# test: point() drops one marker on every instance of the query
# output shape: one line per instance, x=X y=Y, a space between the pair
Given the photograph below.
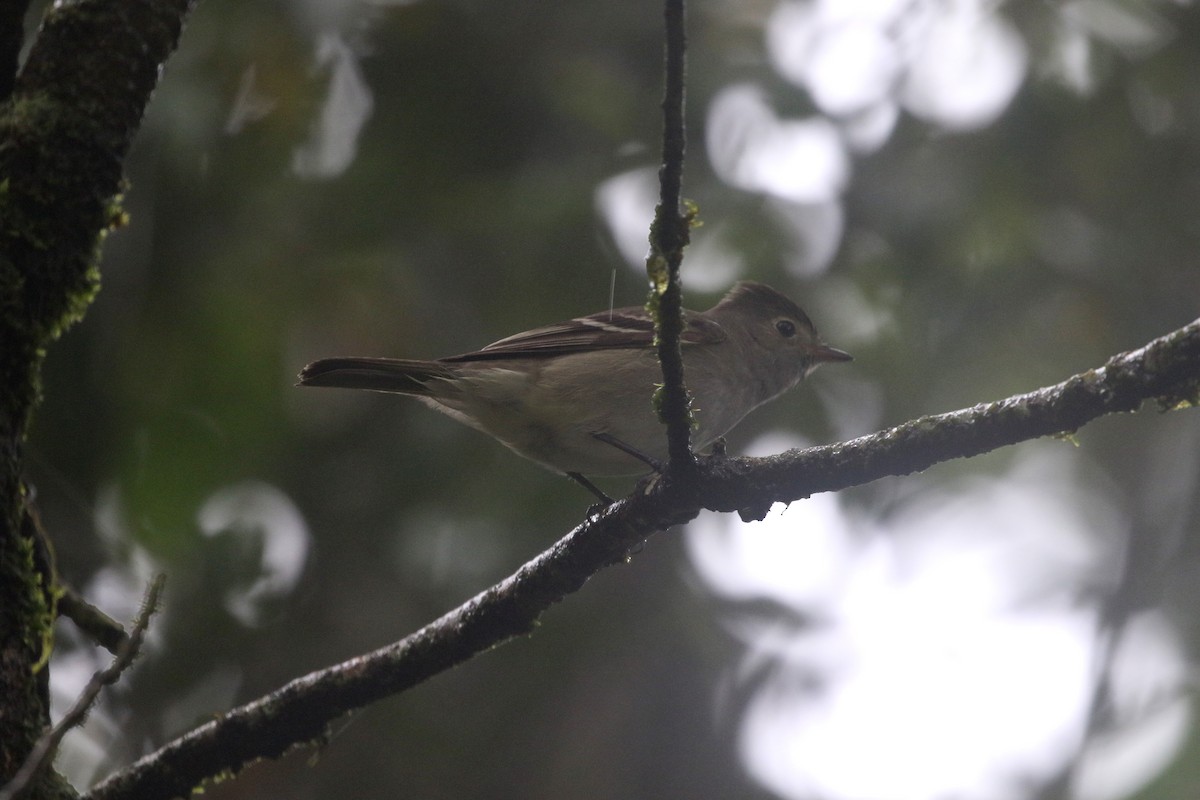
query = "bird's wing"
x=629 y=328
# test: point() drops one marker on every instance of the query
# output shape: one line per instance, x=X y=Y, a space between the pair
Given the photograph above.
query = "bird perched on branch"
x=576 y=396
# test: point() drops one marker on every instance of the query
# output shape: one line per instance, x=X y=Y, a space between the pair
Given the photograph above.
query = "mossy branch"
x=46 y=747
x=66 y=122
x=668 y=238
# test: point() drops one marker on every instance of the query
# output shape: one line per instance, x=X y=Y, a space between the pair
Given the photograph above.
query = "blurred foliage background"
x=975 y=198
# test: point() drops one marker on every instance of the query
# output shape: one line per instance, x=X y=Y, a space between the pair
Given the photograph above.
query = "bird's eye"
x=786 y=328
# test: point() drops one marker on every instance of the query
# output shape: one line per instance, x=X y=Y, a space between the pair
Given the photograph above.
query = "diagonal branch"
x=1166 y=370
x=94 y=623
x=46 y=747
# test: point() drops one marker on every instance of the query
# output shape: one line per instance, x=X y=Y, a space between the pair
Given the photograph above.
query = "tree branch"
x=43 y=752
x=1166 y=370
x=64 y=131
x=668 y=238
x=94 y=623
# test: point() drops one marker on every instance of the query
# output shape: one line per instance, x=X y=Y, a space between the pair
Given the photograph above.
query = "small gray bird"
x=576 y=397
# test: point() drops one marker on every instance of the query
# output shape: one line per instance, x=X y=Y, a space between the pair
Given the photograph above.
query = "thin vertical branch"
x=668 y=238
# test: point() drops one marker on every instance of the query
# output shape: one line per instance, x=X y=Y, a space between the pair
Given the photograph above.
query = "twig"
x=45 y=748
x=668 y=238
x=103 y=629
x=1167 y=369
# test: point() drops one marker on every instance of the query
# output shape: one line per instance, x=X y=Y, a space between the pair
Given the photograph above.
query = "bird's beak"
x=823 y=352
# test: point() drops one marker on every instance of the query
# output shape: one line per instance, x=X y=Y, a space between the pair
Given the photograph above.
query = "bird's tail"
x=376 y=374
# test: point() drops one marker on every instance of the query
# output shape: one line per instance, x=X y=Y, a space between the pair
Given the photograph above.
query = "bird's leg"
x=593 y=488
x=629 y=449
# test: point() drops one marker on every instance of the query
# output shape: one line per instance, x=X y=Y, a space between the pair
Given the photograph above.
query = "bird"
x=575 y=396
